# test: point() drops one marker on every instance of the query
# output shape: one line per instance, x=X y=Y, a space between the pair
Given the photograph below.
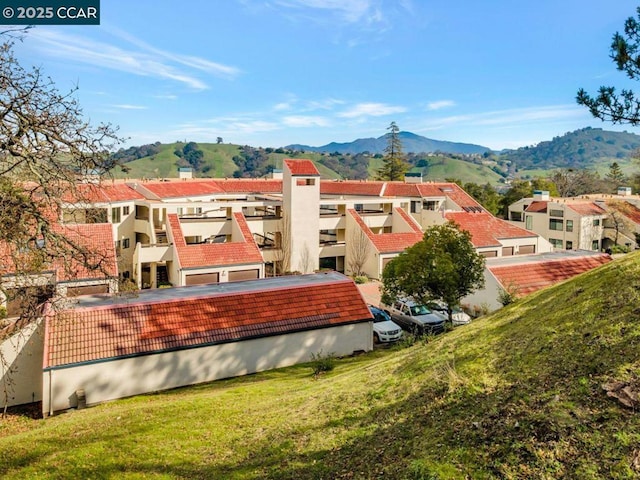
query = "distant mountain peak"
x=411 y=143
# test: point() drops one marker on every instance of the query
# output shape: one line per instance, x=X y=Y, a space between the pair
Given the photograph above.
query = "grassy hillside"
x=585 y=148
x=517 y=394
x=441 y=168
x=218 y=162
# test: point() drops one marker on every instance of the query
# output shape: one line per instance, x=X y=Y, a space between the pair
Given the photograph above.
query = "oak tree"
x=444 y=265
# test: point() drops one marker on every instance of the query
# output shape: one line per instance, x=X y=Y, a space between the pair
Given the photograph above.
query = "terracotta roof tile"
x=257 y=185
x=532 y=276
x=351 y=187
x=388 y=242
x=94 y=257
x=537 y=206
x=138 y=327
x=215 y=254
x=301 y=167
x=587 y=208
x=627 y=209
x=487 y=230
x=183 y=188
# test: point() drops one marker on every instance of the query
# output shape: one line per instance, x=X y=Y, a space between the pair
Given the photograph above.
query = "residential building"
x=589 y=222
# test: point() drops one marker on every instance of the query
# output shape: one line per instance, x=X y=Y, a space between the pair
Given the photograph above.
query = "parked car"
x=414 y=317
x=459 y=317
x=384 y=329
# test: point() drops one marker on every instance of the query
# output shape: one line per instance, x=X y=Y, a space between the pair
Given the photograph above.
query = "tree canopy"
x=444 y=265
x=46 y=147
x=394 y=165
x=607 y=104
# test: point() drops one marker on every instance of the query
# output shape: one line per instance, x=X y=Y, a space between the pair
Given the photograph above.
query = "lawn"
x=517 y=394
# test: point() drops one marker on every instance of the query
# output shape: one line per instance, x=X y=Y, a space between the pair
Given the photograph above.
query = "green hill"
x=591 y=148
x=517 y=394
x=227 y=160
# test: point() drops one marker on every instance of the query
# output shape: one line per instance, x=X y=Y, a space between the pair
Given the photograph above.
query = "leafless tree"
x=617 y=221
x=306 y=262
x=45 y=148
x=359 y=247
x=283 y=245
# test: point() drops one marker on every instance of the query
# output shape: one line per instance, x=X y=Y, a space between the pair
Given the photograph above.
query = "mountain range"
x=410 y=143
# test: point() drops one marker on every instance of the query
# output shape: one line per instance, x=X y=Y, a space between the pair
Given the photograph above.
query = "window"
x=555 y=224
x=310 y=181
x=415 y=207
x=125 y=243
x=595 y=245
x=430 y=205
x=556 y=213
x=555 y=242
x=115 y=215
x=125 y=210
x=596 y=222
x=569 y=245
x=569 y=226
x=528 y=222
x=516 y=216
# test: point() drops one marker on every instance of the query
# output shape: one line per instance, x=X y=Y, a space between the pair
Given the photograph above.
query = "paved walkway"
x=371 y=292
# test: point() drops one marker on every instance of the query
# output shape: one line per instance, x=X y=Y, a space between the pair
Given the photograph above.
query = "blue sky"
x=498 y=73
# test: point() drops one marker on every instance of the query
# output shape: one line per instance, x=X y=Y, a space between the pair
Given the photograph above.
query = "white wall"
x=21 y=366
x=126 y=377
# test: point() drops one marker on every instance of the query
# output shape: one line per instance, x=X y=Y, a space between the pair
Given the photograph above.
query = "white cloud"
x=279 y=107
x=305 y=121
x=143 y=61
x=371 y=110
x=166 y=97
x=351 y=11
x=440 y=104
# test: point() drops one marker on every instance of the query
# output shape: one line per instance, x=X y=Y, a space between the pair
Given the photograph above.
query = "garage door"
x=507 y=251
x=244 y=275
x=525 y=249
x=491 y=253
x=87 y=290
x=202 y=278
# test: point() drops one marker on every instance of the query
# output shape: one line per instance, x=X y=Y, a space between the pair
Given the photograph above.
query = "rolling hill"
x=530 y=392
x=585 y=148
x=410 y=143
x=160 y=161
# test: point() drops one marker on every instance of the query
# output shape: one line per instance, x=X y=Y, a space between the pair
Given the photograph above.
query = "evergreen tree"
x=394 y=166
x=625 y=106
x=615 y=175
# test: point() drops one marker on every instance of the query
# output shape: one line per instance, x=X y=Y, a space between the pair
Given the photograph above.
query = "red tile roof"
x=102 y=193
x=627 y=209
x=587 y=208
x=352 y=187
x=453 y=191
x=532 y=276
x=212 y=314
x=301 y=167
x=248 y=185
x=215 y=254
x=537 y=206
x=401 y=189
x=183 y=188
x=487 y=230
x=388 y=242
x=89 y=255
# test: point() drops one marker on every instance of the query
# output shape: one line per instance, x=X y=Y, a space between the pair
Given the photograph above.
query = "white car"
x=459 y=317
x=384 y=329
